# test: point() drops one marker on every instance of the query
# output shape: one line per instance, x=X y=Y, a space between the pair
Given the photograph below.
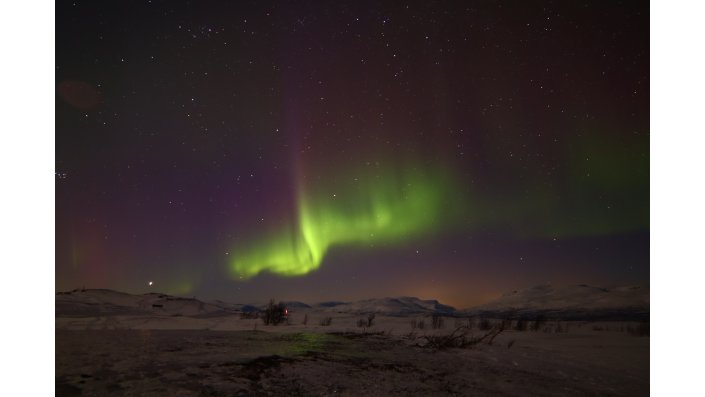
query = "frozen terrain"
x=580 y=296
x=576 y=301
x=115 y=344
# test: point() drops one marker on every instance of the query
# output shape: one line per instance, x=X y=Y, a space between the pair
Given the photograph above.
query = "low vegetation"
x=368 y=322
x=461 y=337
x=274 y=314
x=436 y=321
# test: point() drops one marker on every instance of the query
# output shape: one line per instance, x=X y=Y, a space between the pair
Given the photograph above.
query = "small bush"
x=640 y=330
x=421 y=325
x=459 y=338
x=520 y=325
x=413 y=324
x=361 y=323
x=507 y=323
x=555 y=327
x=436 y=321
x=274 y=313
x=370 y=319
x=539 y=322
x=326 y=321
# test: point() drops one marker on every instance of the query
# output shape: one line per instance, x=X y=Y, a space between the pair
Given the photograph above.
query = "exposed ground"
x=94 y=357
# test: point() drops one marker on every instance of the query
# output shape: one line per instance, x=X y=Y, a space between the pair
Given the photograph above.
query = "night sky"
x=348 y=150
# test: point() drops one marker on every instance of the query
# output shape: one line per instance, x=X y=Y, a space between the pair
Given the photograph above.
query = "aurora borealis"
x=388 y=205
x=346 y=150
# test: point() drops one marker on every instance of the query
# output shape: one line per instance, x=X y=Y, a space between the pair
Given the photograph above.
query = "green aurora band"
x=603 y=189
x=376 y=206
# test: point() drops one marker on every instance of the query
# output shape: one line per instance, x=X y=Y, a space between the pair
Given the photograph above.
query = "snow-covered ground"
x=109 y=343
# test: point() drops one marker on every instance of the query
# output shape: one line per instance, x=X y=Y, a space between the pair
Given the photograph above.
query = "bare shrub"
x=413 y=323
x=459 y=338
x=640 y=330
x=361 y=323
x=520 y=325
x=494 y=332
x=507 y=323
x=539 y=322
x=274 y=314
x=370 y=319
x=554 y=327
x=326 y=321
x=436 y=321
x=421 y=324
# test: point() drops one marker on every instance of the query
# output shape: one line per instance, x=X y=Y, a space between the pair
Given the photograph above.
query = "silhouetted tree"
x=274 y=314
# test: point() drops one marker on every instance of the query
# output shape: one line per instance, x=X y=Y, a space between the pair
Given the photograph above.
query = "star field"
x=317 y=151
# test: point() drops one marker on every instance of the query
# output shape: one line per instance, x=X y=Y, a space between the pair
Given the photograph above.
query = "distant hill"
x=400 y=306
x=104 y=302
x=572 y=302
x=296 y=305
x=330 y=304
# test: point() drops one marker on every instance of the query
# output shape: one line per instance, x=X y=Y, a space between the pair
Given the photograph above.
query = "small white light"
x=150 y=283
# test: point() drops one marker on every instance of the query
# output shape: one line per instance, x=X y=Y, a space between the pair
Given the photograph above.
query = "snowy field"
x=315 y=363
x=114 y=344
x=250 y=359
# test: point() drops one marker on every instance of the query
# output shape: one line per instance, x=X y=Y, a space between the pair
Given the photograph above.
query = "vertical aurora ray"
x=373 y=205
